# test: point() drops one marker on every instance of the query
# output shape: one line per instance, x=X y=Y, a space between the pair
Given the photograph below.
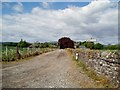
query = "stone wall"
x=102 y=62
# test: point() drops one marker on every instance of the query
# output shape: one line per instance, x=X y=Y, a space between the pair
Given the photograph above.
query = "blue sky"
x=7 y=7
x=43 y=21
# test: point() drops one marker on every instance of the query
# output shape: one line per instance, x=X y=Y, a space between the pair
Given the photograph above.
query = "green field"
x=9 y=53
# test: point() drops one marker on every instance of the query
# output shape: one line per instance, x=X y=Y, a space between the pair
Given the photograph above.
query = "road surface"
x=50 y=70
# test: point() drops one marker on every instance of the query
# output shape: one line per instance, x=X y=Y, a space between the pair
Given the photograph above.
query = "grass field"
x=10 y=53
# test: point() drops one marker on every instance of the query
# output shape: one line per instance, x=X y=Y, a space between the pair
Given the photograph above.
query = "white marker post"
x=77 y=55
x=6 y=51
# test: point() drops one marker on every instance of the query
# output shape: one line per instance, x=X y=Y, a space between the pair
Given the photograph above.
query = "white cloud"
x=45 y=5
x=97 y=20
x=18 y=7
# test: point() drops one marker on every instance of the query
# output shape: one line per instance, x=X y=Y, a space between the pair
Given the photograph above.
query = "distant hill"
x=9 y=43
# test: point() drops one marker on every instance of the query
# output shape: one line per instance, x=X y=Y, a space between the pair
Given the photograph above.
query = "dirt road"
x=50 y=70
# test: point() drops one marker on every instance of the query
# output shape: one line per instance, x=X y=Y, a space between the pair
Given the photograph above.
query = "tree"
x=90 y=45
x=65 y=42
x=44 y=45
x=112 y=47
x=23 y=43
x=98 y=46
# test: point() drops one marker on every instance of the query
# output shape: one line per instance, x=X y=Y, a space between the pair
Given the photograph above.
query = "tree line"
x=23 y=44
x=98 y=46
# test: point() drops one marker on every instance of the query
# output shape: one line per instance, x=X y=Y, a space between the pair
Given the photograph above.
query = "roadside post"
x=6 y=51
x=77 y=55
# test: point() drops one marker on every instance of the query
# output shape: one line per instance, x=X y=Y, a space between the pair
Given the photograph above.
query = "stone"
x=102 y=62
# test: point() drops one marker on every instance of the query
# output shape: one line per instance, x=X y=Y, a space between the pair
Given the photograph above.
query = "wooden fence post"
x=17 y=53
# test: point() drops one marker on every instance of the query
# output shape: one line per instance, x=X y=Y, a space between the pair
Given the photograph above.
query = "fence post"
x=17 y=53
x=6 y=51
x=28 y=50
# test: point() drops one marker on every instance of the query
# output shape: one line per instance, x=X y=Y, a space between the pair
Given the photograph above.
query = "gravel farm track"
x=54 y=69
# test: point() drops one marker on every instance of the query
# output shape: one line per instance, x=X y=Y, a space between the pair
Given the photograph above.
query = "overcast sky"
x=43 y=21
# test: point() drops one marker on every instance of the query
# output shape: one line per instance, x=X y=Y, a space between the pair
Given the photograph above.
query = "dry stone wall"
x=102 y=62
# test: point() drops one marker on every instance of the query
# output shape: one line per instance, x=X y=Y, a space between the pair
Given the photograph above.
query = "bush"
x=98 y=46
